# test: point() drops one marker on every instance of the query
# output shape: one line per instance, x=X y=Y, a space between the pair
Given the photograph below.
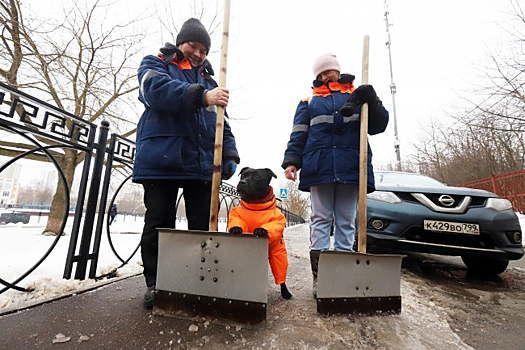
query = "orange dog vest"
x=250 y=216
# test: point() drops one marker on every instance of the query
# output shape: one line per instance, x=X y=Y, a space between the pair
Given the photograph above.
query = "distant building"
x=9 y=185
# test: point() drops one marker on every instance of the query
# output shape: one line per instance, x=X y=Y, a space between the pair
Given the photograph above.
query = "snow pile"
x=22 y=246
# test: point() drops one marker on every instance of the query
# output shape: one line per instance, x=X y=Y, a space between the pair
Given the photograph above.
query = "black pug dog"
x=258 y=214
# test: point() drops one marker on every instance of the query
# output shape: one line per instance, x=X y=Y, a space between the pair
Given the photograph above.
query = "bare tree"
x=208 y=12
x=85 y=67
x=297 y=202
x=11 y=53
x=488 y=137
x=502 y=97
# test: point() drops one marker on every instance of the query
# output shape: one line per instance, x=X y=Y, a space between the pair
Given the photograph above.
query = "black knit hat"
x=193 y=30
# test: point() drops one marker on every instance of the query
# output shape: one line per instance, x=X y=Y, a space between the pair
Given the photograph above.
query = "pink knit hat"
x=327 y=61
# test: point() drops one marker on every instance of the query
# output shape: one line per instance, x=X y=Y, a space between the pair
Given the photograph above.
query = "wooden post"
x=363 y=157
x=219 y=130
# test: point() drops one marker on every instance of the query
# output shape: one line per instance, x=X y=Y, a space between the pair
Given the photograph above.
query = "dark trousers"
x=160 y=198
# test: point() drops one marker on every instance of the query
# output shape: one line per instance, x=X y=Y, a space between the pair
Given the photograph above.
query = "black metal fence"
x=50 y=131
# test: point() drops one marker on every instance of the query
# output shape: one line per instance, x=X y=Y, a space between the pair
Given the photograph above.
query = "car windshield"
x=405 y=179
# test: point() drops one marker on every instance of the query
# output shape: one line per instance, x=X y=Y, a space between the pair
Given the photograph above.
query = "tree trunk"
x=58 y=205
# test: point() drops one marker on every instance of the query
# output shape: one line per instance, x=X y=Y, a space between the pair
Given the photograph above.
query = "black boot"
x=285 y=292
x=149 y=297
x=314 y=262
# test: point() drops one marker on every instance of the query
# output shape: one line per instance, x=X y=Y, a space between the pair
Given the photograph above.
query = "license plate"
x=447 y=226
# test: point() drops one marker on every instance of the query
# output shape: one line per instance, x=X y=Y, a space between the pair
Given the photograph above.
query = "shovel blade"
x=351 y=282
x=212 y=274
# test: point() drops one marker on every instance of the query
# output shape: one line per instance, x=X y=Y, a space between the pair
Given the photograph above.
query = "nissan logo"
x=446 y=200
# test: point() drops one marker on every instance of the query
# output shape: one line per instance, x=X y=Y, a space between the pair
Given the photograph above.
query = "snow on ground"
x=22 y=246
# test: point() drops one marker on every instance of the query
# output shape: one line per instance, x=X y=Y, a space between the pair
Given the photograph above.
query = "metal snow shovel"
x=218 y=276
x=349 y=282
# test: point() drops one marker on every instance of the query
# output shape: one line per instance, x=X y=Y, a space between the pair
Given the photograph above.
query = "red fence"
x=510 y=186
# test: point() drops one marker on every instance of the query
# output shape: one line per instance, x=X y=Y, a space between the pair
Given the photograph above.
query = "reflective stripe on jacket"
x=324 y=144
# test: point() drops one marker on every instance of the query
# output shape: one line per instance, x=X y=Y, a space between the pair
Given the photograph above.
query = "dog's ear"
x=243 y=170
x=270 y=172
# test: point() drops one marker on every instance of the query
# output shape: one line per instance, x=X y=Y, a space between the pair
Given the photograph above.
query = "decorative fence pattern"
x=510 y=186
x=52 y=130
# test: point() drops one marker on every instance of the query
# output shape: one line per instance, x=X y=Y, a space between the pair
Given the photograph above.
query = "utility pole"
x=393 y=91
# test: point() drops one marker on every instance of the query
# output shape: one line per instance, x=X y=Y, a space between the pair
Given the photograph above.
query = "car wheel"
x=487 y=267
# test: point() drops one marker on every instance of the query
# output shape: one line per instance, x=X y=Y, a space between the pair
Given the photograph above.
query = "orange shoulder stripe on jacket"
x=183 y=64
x=324 y=90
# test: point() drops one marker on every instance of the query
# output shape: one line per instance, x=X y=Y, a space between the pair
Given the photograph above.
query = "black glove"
x=363 y=94
x=260 y=232
x=236 y=230
x=168 y=49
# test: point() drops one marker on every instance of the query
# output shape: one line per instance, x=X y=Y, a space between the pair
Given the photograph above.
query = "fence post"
x=494 y=185
x=102 y=207
x=79 y=212
x=91 y=207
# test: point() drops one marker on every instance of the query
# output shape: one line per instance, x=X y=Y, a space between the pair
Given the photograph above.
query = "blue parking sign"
x=283 y=193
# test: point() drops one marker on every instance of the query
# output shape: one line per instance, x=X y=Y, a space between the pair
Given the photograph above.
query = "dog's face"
x=255 y=183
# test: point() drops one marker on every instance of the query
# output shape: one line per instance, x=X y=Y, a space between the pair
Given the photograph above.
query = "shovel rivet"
x=203 y=244
x=368 y=262
x=357 y=288
x=216 y=261
x=357 y=262
x=229 y=301
x=367 y=288
x=209 y=270
x=215 y=279
x=201 y=278
x=214 y=299
x=216 y=245
x=203 y=259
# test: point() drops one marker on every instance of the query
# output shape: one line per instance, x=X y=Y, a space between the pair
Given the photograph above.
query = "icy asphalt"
x=112 y=317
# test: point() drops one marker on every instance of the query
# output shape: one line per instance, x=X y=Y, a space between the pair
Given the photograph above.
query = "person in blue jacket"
x=324 y=145
x=176 y=139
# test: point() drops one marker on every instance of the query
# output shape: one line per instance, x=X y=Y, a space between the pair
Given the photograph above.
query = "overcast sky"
x=437 y=50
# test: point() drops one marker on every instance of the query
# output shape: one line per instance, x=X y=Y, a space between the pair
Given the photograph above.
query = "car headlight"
x=388 y=197
x=498 y=204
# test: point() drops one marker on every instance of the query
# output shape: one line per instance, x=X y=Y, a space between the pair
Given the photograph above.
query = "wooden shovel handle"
x=363 y=157
x=219 y=129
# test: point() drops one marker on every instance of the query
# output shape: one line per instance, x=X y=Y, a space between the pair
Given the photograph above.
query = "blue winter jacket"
x=176 y=132
x=324 y=144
